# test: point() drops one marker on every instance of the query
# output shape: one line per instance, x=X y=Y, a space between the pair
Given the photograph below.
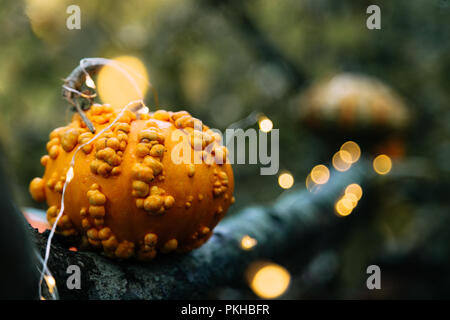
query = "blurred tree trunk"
x=19 y=276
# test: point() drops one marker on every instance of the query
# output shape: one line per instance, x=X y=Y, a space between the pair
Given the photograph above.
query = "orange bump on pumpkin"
x=127 y=197
x=37 y=189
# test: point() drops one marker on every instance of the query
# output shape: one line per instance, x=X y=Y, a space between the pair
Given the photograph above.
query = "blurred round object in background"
x=268 y=280
x=353 y=106
x=286 y=180
x=45 y=17
x=124 y=80
x=353 y=102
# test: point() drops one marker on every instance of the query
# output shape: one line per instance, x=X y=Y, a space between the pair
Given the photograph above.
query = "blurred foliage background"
x=221 y=61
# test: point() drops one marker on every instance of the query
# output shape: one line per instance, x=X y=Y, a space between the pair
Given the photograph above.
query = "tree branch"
x=297 y=217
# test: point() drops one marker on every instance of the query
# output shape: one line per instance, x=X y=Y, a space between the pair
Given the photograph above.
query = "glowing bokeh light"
x=353 y=149
x=347 y=203
x=342 y=160
x=382 y=164
x=123 y=81
x=270 y=281
x=352 y=198
x=265 y=124
x=286 y=180
x=248 y=242
x=45 y=18
x=320 y=174
x=354 y=189
x=342 y=208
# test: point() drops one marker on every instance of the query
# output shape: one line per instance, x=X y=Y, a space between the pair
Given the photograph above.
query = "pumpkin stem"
x=84 y=117
x=72 y=87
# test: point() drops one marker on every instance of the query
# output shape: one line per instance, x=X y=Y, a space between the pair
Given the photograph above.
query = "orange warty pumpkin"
x=128 y=197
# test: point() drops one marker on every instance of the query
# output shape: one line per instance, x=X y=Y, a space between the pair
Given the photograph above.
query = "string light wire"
x=69 y=177
x=70 y=172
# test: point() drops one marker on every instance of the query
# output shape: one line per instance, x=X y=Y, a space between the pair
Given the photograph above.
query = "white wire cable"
x=70 y=172
x=69 y=177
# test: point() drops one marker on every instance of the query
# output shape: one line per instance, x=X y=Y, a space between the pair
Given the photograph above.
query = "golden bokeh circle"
x=320 y=174
x=353 y=149
x=382 y=164
x=122 y=81
x=286 y=180
x=342 y=160
x=265 y=124
x=354 y=189
x=269 y=280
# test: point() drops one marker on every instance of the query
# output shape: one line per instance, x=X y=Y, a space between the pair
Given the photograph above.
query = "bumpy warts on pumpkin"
x=128 y=198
